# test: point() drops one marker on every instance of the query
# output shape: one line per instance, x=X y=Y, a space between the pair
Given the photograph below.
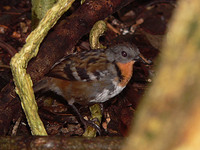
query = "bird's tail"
x=42 y=85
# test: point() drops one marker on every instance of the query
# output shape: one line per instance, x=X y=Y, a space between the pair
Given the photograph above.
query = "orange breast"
x=126 y=71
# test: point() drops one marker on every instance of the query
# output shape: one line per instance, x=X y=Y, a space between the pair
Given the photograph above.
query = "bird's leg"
x=86 y=123
x=102 y=108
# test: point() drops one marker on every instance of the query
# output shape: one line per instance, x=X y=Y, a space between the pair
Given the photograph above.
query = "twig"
x=11 y=50
x=113 y=28
x=14 y=130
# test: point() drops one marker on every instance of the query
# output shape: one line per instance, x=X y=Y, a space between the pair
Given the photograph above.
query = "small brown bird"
x=93 y=76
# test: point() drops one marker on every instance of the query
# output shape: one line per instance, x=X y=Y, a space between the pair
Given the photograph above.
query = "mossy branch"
x=19 y=63
x=97 y=30
x=39 y=9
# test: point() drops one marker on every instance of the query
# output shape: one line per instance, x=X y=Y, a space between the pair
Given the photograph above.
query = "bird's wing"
x=85 y=66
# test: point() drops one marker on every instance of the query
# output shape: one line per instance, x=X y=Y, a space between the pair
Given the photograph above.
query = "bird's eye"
x=124 y=54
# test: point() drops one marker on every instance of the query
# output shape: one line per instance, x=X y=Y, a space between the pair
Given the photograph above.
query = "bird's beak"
x=143 y=59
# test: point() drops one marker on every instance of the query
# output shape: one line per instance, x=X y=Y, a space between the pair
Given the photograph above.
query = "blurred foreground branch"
x=168 y=118
x=61 y=142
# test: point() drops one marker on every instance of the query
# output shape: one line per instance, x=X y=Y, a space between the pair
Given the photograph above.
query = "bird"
x=91 y=76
